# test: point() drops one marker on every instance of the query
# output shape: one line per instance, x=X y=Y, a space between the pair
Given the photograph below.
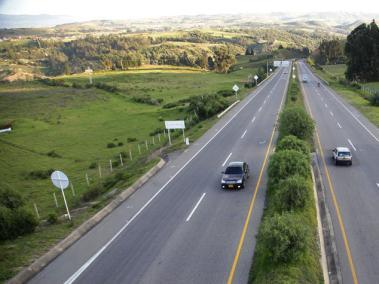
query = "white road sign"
x=255 y=77
x=175 y=124
x=235 y=88
x=59 y=179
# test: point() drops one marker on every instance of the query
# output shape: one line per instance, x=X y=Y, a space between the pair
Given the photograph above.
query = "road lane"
x=159 y=246
x=355 y=191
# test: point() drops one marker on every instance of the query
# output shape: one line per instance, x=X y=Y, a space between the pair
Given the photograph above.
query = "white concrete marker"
x=352 y=145
x=243 y=135
x=227 y=158
x=194 y=209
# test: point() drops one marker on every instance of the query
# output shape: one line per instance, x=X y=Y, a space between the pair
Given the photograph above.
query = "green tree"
x=291 y=142
x=295 y=121
x=284 y=237
x=287 y=163
x=292 y=193
x=223 y=59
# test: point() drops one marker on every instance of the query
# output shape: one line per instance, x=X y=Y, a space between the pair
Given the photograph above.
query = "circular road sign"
x=59 y=180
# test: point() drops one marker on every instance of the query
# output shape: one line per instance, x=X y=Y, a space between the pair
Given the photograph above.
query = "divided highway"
x=180 y=227
x=352 y=193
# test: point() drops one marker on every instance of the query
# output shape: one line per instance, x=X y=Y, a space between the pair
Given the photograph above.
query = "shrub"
x=16 y=222
x=111 y=145
x=284 y=237
x=105 y=87
x=226 y=93
x=374 y=99
x=53 y=154
x=93 y=165
x=52 y=218
x=119 y=144
x=147 y=100
x=93 y=192
x=287 y=163
x=156 y=131
x=171 y=105
x=40 y=174
x=131 y=139
x=291 y=142
x=206 y=106
x=10 y=198
x=77 y=85
x=292 y=193
x=295 y=121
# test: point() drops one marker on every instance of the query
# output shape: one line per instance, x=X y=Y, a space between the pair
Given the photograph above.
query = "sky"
x=131 y=9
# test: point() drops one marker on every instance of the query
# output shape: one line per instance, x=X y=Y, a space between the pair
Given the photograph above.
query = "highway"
x=180 y=227
x=352 y=193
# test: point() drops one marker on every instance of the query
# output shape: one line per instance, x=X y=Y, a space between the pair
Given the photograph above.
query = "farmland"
x=77 y=130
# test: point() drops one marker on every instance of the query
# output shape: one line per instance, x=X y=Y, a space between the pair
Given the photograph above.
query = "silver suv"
x=342 y=155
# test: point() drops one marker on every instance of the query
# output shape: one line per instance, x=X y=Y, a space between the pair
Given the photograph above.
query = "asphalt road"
x=180 y=227
x=356 y=188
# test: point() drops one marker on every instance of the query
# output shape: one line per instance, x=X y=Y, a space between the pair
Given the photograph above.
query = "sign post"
x=174 y=124
x=60 y=180
x=256 y=80
x=235 y=89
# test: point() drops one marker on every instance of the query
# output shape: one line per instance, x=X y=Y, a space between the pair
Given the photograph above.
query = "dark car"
x=235 y=175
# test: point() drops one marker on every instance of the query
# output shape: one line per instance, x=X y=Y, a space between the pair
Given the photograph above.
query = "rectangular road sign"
x=175 y=124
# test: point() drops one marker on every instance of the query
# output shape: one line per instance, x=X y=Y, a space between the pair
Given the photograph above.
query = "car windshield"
x=233 y=170
x=343 y=154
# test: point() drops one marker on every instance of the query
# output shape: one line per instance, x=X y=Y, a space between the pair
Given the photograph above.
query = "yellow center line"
x=248 y=217
x=335 y=202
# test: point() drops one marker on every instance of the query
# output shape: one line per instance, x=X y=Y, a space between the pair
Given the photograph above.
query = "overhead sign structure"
x=60 y=180
x=280 y=63
x=174 y=124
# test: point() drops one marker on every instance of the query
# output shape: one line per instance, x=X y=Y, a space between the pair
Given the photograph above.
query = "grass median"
x=287 y=249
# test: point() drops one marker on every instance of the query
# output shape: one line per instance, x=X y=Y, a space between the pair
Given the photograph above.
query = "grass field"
x=70 y=129
x=351 y=95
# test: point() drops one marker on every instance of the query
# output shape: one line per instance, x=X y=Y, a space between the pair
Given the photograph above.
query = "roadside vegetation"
x=351 y=67
x=287 y=249
x=103 y=135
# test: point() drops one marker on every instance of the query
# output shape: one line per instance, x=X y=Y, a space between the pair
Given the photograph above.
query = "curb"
x=332 y=260
x=27 y=273
x=227 y=109
x=323 y=261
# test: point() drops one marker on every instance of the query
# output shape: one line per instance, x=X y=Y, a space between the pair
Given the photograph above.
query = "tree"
x=292 y=193
x=287 y=163
x=223 y=59
x=291 y=142
x=362 y=51
x=284 y=237
x=295 y=121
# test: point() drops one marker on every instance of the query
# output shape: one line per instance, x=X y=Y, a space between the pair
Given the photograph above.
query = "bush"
x=16 y=222
x=53 y=154
x=111 y=145
x=171 y=105
x=291 y=142
x=206 y=106
x=284 y=237
x=93 y=192
x=287 y=163
x=374 y=99
x=93 y=165
x=40 y=174
x=156 y=131
x=147 y=100
x=226 y=93
x=10 y=198
x=52 y=218
x=295 y=121
x=106 y=87
x=119 y=144
x=292 y=193
x=131 y=139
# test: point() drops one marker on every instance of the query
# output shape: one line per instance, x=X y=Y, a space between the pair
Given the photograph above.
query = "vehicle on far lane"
x=342 y=155
x=304 y=79
x=235 y=175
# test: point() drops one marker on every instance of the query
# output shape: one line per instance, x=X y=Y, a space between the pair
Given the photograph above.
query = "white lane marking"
x=347 y=109
x=326 y=105
x=259 y=109
x=194 y=209
x=377 y=184
x=99 y=252
x=352 y=145
x=339 y=125
x=322 y=99
x=243 y=135
x=332 y=114
x=252 y=121
x=264 y=101
x=227 y=158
